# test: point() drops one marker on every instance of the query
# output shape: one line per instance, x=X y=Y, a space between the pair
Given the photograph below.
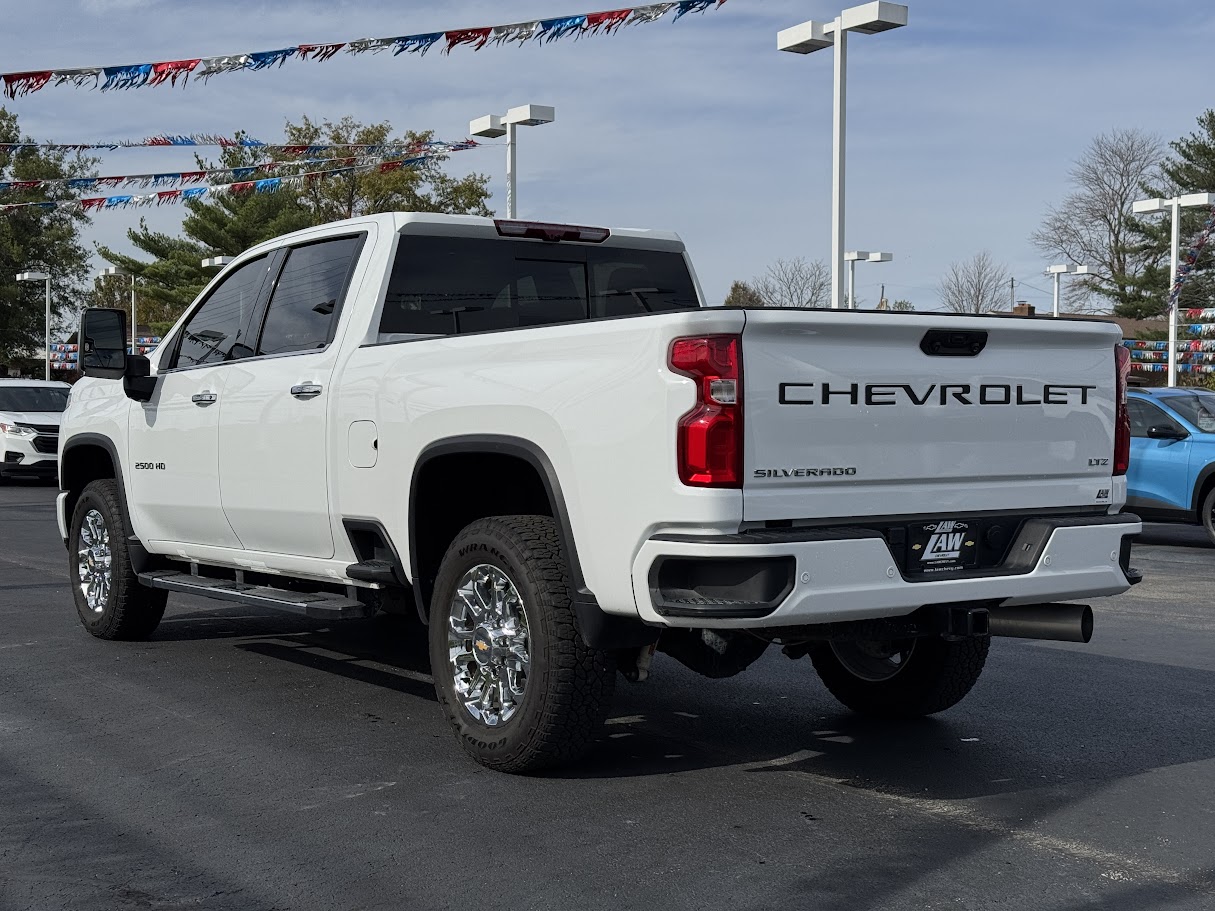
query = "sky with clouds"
x=961 y=127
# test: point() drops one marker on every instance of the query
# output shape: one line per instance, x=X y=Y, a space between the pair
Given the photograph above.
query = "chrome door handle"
x=306 y=391
x=203 y=399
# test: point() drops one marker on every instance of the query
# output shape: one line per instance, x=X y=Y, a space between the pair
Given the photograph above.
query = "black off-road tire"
x=1208 y=514
x=569 y=686
x=131 y=611
x=935 y=676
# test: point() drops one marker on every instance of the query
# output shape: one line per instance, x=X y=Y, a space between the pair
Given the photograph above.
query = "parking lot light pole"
x=493 y=126
x=1064 y=269
x=114 y=270
x=42 y=277
x=1173 y=207
x=852 y=257
x=867 y=19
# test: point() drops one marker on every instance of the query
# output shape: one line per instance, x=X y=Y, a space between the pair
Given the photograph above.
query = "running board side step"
x=317 y=605
x=379 y=571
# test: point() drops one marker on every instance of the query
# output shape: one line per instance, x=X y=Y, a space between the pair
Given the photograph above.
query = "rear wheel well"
x=79 y=467
x=453 y=490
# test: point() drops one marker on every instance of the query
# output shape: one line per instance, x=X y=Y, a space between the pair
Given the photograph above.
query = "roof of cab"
x=448 y=224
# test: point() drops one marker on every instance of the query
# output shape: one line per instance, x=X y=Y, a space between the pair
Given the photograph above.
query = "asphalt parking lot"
x=243 y=759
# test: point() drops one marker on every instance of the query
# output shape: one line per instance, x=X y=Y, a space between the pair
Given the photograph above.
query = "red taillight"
x=1122 y=416
x=709 y=437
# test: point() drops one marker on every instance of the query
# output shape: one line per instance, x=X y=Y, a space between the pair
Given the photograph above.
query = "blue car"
x=1172 y=472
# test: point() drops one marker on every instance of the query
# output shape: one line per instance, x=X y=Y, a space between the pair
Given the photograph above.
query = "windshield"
x=1198 y=408
x=33 y=398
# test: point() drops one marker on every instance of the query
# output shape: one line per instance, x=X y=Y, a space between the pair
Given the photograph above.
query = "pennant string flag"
x=546 y=31
x=1189 y=262
x=182 y=178
x=204 y=140
x=265 y=185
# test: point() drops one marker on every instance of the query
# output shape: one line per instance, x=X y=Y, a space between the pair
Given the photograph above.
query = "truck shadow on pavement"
x=1045 y=719
x=385 y=651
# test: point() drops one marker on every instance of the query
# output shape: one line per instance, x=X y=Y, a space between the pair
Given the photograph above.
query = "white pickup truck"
x=538 y=438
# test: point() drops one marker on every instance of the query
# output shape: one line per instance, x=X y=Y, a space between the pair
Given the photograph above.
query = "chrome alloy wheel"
x=94 y=561
x=487 y=644
x=874 y=660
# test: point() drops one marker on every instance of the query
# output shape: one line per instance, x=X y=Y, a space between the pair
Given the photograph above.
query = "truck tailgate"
x=851 y=414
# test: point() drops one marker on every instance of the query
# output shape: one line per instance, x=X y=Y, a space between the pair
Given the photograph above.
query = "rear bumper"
x=794 y=577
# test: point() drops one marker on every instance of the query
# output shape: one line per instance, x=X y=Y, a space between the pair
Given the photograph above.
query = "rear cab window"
x=455 y=285
x=307 y=298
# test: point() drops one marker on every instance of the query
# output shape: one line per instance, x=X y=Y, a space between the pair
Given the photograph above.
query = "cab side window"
x=220 y=329
x=303 y=309
x=1145 y=415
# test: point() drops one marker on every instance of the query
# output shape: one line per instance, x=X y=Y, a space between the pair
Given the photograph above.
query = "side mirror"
x=138 y=382
x=103 y=343
x=1166 y=433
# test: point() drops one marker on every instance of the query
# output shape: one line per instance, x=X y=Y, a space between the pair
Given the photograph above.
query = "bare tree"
x=794 y=283
x=974 y=286
x=1091 y=226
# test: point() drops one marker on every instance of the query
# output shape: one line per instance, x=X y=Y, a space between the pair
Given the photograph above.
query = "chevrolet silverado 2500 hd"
x=537 y=437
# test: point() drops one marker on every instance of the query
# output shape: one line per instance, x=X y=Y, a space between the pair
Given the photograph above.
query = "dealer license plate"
x=943 y=546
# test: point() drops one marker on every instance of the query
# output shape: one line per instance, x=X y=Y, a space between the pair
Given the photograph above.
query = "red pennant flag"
x=16 y=84
x=474 y=36
x=170 y=70
x=193 y=176
x=95 y=202
x=607 y=21
x=243 y=187
x=319 y=52
x=167 y=196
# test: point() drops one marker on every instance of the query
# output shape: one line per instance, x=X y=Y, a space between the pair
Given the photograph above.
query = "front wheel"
x=109 y=599
x=1208 y=514
x=519 y=687
x=901 y=678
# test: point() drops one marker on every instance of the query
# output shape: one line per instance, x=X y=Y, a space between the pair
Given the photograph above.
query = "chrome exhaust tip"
x=1058 y=622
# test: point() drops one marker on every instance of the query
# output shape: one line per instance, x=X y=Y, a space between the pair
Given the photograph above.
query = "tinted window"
x=1144 y=415
x=303 y=309
x=1198 y=408
x=219 y=330
x=445 y=285
x=32 y=398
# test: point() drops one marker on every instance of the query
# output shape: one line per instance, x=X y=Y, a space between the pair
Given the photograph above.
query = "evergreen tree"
x=1190 y=169
x=743 y=295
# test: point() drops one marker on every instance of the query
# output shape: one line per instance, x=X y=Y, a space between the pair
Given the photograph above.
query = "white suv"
x=29 y=427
